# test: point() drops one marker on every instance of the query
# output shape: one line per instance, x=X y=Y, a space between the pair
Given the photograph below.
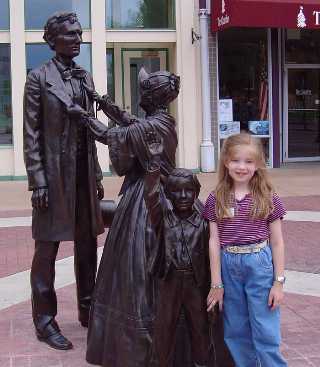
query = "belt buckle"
x=246 y=249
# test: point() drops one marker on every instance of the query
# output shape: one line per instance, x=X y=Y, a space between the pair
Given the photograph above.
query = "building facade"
x=256 y=67
x=265 y=75
x=118 y=37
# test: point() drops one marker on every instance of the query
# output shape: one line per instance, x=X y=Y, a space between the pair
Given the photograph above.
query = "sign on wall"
x=225 y=111
x=227 y=126
x=293 y=14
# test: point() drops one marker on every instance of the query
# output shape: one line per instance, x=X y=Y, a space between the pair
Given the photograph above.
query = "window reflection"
x=4 y=14
x=302 y=46
x=243 y=83
x=303 y=112
x=37 y=54
x=38 y=11
x=243 y=70
x=152 y=64
x=110 y=73
x=110 y=79
x=140 y=14
x=5 y=96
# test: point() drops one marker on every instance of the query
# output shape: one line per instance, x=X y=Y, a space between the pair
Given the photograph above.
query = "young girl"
x=247 y=254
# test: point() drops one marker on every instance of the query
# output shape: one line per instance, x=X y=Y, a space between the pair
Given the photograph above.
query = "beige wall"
x=184 y=59
x=187 y=56
x=18 y=75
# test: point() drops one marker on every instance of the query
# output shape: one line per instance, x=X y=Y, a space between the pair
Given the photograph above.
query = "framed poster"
x=225 y=111
x=227 y=129
x=259 y=127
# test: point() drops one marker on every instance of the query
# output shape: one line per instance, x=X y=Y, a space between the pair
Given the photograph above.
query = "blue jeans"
x=251 y=329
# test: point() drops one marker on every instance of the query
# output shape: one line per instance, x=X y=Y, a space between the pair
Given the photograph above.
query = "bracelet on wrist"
x=217 y=286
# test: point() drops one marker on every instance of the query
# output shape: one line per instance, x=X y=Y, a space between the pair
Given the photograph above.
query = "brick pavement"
x=302 y=246
x=16 y=249
x=20 y=348
x=299 y=188
x=16 y=244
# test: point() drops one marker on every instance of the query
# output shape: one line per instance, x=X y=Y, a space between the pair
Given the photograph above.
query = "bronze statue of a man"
x=63 y=174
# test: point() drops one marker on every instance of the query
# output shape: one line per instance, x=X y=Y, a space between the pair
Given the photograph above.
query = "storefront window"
x=38 y=11
x=152 y=14
x=4 y=14
x=243 y=83
x=37 y=54
x=303 y=113
x=302 y=46
x=5 y=96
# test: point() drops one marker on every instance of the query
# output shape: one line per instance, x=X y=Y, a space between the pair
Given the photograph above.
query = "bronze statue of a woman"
x=122 y=312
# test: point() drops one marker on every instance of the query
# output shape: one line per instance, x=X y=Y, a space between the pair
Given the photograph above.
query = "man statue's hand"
x=102 y=101
x=39 y=198
x=75 y=111
x=100 y=190
x=96 y=97
x=92 y=93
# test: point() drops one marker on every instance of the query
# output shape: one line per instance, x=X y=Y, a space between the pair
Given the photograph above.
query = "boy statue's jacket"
x=169 y=231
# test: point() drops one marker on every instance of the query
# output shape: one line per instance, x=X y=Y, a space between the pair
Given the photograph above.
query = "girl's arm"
x=277 y=245
x=216 y=291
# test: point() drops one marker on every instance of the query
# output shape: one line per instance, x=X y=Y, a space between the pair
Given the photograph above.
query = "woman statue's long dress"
x=122 y=313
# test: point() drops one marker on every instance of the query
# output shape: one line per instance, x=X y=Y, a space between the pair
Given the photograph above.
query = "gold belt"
x=246 y=249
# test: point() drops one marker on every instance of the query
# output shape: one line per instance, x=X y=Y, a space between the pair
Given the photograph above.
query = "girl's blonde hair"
x=260 y=187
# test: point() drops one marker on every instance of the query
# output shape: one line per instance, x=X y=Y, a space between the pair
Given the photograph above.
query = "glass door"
x=133 y=60
x=302 y=125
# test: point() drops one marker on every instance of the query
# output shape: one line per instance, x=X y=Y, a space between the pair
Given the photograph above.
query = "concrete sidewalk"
x=298 y=186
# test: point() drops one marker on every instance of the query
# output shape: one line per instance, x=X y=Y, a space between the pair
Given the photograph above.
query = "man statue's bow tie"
x=73 y=73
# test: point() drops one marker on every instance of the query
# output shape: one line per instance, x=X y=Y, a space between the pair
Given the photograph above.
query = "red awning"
x=265 y=13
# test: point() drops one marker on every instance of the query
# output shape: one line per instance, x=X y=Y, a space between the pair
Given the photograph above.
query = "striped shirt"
x=241 y=229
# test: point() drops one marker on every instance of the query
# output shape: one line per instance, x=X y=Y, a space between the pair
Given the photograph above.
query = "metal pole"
x=206 y=147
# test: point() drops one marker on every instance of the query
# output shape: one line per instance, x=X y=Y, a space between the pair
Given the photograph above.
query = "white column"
x=18 y=77
x=207 y=149
x=188 y=125
x=99 y=67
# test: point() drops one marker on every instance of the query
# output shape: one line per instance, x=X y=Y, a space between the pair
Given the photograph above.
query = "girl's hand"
x=215 y=296
x=275 y=296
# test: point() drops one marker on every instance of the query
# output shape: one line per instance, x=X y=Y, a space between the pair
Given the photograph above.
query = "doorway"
x=153 y=60
x=302 y=113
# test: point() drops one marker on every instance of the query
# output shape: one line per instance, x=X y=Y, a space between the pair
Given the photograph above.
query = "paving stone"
x=300 y=362
x=15 y=213
x=315 y=361
x=302 y=202
x=17 y=246
x=302 y=246
x=5 y=361
x=21 y=361
x=45 y=361
x=289 y=353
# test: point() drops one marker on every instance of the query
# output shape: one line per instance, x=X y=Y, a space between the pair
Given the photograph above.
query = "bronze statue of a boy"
x=63 y=174
x=180 y=260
